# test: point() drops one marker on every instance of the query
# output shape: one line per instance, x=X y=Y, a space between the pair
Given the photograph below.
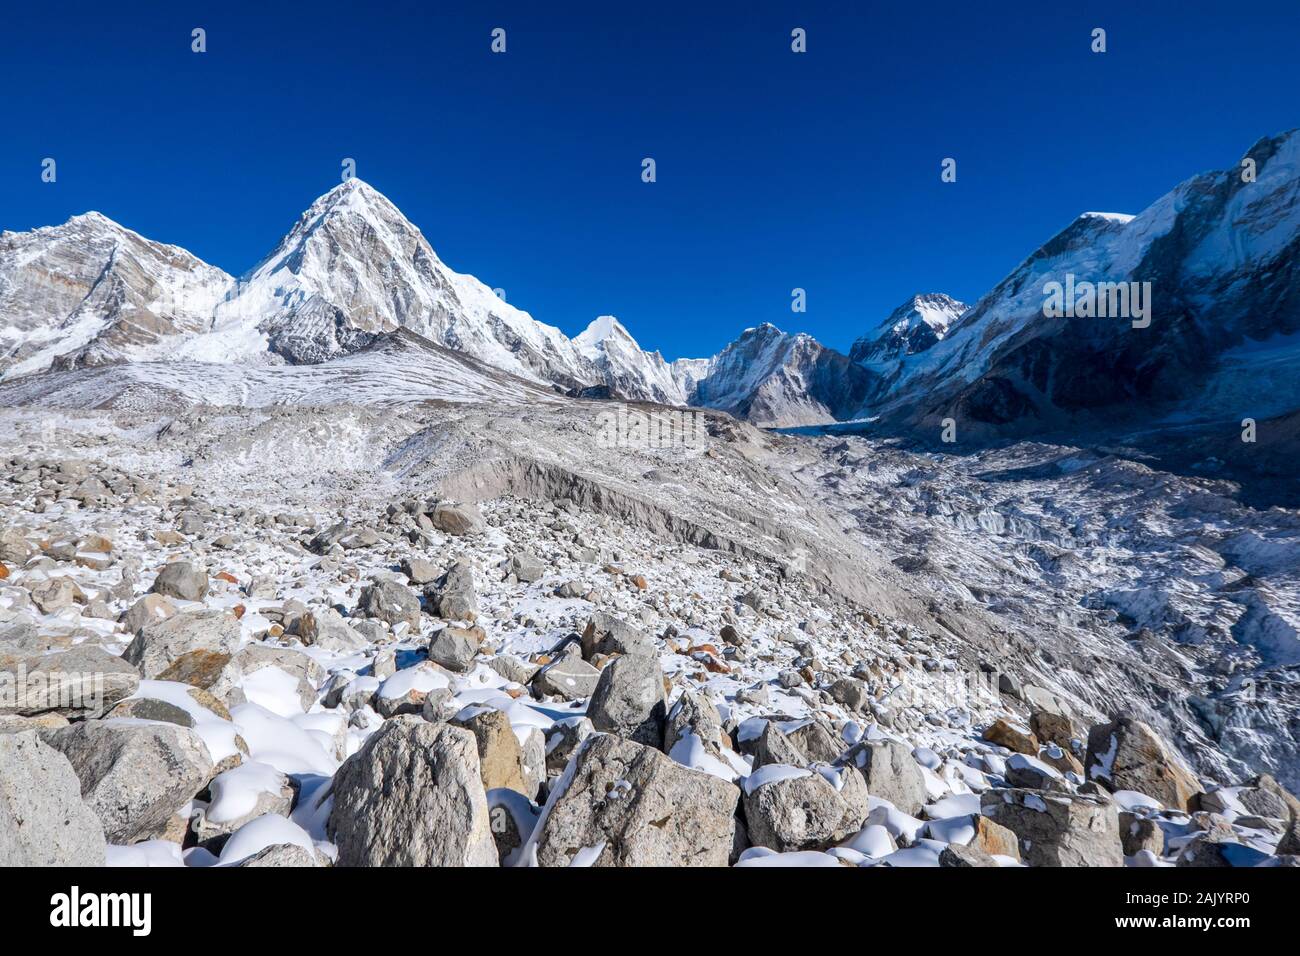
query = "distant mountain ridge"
x=91 y=292
x=1220 y=253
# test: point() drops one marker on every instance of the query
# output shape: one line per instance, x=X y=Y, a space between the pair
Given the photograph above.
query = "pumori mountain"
x=351 y=269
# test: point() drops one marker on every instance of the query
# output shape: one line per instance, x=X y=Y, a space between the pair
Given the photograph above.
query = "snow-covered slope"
x=397 y=368
x=773 y=379
x=90 y=292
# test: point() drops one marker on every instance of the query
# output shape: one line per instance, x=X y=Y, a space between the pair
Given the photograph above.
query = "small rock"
x=1006 y=734
x=391 y=603
x=569 y=677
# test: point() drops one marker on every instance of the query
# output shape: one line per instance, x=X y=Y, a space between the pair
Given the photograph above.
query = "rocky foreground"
x=222 y=648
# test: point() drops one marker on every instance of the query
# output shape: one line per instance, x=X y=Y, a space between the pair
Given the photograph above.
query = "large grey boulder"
x=14 y=548
x=456 y=519
x=456 y=647
x=43 y=821
x=629 y=700
x=391 y=603
x=1126 y=754
x=160 y=645
x=816 y=741
x=850 y=692
x=412 y=796
x=638 y=807
x=326 y=628
x=134 y=776
x=181 y=579
x=453 y=596
x=85 y=680
x=526 y=568
x=1057 y=829
x=800 y=810
x=148 y=610
x=569 y=677
x=607 y=634
x=55 y=594
x=890 y=773
x=419 y=571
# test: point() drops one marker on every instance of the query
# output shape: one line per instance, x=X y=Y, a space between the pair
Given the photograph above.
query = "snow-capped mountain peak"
x=625 y=369
x=602 y=329
x=916 y=325
x=772 y=378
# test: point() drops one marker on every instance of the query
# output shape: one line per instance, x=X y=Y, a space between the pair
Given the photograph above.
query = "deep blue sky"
x=775 y=170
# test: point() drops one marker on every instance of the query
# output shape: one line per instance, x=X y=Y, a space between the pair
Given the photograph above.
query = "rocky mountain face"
x=625 y=369
x=90 y=292
x=1221 y=258
x=773 y=379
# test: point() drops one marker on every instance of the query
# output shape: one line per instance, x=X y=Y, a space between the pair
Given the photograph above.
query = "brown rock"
x=197 y=668
x=1054 y=728
x=1006 y=734
x=501 y=759
x=1140 y=833
x=995 y=839
x=1126 y=754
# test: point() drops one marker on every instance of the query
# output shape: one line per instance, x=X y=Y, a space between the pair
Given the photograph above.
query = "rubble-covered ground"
x=433 y=634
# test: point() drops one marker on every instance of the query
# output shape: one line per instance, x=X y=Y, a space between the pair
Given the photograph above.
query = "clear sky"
x=775 y=170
